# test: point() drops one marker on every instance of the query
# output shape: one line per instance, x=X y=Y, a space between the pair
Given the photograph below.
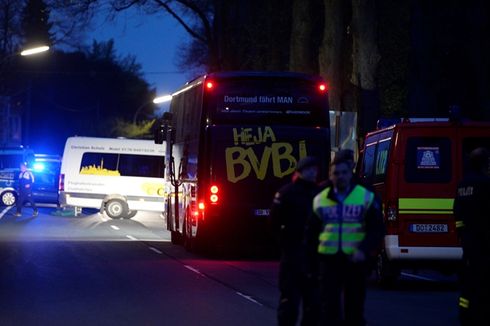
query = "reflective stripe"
x=424 y=212
x=426 y=203
x=459 y=224
x=464 y=303
x=342 y=222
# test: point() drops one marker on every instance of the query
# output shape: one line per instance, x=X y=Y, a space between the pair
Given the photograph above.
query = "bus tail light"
x=322 y=87
x=209 y=85
x=213 y=197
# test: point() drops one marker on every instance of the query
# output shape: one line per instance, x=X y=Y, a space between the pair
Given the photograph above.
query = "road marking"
x=6 y=209
x=115 y=227
x=249 y=298
x=194 y=270
x=155 y=250
x=418 y=277
x=131 y=237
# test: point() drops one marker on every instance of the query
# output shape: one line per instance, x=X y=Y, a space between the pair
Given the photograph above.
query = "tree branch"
x=189 y=30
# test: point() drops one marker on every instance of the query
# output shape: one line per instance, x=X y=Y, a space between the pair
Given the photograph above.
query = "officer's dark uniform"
x=26 y=179
x=290 y=210
x=472 y=213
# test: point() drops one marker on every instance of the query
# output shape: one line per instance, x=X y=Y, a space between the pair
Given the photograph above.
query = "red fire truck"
x=414 y=166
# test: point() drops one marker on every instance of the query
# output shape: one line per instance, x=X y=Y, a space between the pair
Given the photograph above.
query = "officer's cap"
x=306 y=162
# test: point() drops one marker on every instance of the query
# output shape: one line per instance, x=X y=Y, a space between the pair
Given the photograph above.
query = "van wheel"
x=116 y=208
x=386 y=273
x=8 y=198
x=130 y=214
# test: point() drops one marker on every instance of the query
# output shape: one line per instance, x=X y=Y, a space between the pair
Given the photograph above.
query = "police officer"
x=472 y=213
x=290 y=210
x=26 y=179
x=345 y=231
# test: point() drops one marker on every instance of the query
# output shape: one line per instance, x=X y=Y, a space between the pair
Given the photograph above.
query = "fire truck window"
x=381 y=160
x=471 y=143
x=428 y=160
x=368 y=163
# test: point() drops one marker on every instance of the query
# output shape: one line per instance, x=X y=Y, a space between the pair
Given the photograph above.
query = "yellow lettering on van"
x=152 y=189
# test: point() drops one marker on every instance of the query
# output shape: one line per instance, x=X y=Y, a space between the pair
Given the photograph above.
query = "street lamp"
x=8 y=123
x=36 y=50
x=156 y=100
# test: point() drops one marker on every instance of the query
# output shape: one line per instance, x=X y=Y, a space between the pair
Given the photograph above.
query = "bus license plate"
x=429 y=228
x=262 y=212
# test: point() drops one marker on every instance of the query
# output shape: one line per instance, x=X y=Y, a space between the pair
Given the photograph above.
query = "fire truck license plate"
x=436 y=228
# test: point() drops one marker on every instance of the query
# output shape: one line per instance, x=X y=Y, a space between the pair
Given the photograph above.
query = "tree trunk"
x=302 y=54
x=365 y=59
x=330 y=57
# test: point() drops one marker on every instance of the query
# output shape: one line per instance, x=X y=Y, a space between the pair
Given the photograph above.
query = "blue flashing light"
x=38 y=167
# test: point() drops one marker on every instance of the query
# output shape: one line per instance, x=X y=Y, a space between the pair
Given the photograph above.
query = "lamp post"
x=8 y=122
x=156 y=100
x=25 y=53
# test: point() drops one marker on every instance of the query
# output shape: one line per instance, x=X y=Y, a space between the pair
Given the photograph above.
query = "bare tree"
x=365 y=59
x=303 y=57
x=331 y=50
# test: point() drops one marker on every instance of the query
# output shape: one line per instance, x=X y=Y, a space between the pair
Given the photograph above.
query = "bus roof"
x=249 y=74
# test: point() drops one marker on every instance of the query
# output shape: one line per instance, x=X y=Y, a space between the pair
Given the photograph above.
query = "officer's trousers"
x=474 y=301
x=342 y=290
x=23 y=198
x=297 y=288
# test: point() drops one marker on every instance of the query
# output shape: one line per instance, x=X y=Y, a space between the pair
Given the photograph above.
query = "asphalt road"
x=89 y=269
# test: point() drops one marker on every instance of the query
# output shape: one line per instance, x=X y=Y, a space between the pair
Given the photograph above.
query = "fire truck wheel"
x=386 y=273
x=8 y=198
x=116 y=208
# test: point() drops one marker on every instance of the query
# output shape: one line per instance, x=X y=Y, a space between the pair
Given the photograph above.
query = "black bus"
x=233 y=139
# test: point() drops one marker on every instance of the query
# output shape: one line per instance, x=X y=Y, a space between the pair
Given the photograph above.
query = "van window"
x=428 y=160
x=122 y=165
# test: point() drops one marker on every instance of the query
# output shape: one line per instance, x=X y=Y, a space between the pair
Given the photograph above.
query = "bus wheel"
x=130 y=214
x=386 y=273
x=116 y=208
x=8 y=198
x=175 y=237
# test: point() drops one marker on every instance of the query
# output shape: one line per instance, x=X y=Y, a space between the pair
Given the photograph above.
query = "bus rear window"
x=282 y=100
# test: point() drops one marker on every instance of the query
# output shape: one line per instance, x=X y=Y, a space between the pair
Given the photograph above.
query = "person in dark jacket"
x=345 y=231
x=290 y=210
x=472 y=213
x=26 y=180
